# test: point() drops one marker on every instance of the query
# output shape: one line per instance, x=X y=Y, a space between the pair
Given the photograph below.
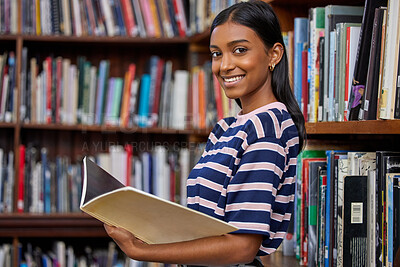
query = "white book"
x=108 y=17
x=66 y=17
x=118 y=163
x=343 y=171
x=179 y=106
x=138 y=178
x=77 y=18
x=161 y=170
x=150 y=218
x=184 y=163
x=390 y=61
x=4 y=94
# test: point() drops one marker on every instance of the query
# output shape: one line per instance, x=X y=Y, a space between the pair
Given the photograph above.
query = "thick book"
x=355 y=221
x=150 y=218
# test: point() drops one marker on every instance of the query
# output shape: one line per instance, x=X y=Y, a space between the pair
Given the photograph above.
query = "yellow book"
x=154 y=15
x=38 y=23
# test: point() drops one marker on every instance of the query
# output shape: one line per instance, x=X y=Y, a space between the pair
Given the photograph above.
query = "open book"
x=150 y=218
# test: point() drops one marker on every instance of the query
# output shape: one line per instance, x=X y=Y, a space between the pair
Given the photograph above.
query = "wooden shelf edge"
x=111 y=129
x=354 y=127
x=50 y=225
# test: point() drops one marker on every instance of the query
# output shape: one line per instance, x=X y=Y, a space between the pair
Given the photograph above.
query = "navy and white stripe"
x=246 y=175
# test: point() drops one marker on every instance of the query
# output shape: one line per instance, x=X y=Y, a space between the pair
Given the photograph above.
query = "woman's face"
x=240 y=62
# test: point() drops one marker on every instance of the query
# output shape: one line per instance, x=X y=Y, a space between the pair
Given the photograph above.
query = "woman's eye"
x=215 y=54
x=239 y=50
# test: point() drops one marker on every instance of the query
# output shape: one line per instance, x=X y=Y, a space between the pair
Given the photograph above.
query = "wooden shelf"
x=51 y=225
x=96 y=39
x=314 y=3
x=109 y=129
x=354 y=127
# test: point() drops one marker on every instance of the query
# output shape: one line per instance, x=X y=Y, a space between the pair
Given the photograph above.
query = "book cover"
x=150 y=218
x=355 y=221
x=370 y=100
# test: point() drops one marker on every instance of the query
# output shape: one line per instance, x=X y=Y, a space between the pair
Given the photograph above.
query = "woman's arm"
x=219 y=250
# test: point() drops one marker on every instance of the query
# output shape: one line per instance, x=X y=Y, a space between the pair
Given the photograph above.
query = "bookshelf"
x=69 y=139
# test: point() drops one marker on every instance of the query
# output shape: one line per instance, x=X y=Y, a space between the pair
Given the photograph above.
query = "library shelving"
x=72 y=139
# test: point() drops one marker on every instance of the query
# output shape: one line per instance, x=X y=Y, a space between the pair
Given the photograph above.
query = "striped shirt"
x=246 y=174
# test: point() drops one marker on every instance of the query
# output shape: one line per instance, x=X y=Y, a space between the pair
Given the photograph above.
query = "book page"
x=148 y=217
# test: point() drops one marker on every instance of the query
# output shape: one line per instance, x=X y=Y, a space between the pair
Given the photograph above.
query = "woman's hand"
x=128 y=243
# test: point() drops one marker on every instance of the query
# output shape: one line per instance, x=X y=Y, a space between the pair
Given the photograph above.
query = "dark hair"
x=260 y=17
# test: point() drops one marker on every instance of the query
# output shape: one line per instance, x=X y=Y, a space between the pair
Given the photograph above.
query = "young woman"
x=246 y=175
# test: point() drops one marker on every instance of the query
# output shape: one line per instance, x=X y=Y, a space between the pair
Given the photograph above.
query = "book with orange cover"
x=150 y=218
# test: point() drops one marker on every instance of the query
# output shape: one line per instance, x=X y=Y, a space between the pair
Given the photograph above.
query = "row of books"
x=202 y=13
x=7 y=86
x=347 y=208
x=346 y=62
x=83 y=93
x=48 y=185
x=154 y=18
x=58 y=91
x=60 y=253
x=142 y=18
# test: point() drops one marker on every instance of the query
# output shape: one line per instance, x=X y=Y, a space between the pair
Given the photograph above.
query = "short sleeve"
x=260 y=196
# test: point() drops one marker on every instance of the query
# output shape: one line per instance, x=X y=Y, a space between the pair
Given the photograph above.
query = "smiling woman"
x=246 y=175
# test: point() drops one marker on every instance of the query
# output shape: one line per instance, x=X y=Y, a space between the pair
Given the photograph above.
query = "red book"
x=129 y=17
x=218 y=98
x=21 y=182
x=304 y=84
x=180 y=17
x=58 y=89
x=304 y=209
x=47 y=66
x=129 y=154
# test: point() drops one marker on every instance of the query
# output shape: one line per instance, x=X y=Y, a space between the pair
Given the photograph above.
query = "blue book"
x=109 y=101
x=144 y=98
x=101 y=91
x=46 y=181
x=300 y=40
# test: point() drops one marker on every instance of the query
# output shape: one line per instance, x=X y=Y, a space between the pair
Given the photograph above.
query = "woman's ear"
x=275 y=54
